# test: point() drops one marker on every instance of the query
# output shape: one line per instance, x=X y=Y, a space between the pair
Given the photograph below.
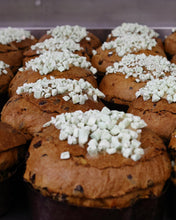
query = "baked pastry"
x=12 y=154
x=74 y=38
x=97 y=159
x=57 y=64
x=126 y=77
x=125 y=39
x=13 y=42
x=35 y=103
x=6 y=76
x=156 y=104
x=170 y=44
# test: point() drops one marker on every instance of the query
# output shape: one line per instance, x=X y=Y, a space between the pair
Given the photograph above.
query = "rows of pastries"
x=99 y=117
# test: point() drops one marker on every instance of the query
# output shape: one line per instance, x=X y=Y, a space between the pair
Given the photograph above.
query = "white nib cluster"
x=133 y=28
x=159 y=88
x=56 y=44
x=77 y=91
x=61 y=61
x=129 y=44
x=3 y=67
x=103 y=131
x=76 y=33
x=143 y=67
x=8 y=35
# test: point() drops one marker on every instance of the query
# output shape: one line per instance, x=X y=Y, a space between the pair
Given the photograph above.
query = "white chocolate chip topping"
x=3 y=67
x=8 y=35
x=65 y=155
x=129 y=44
x=56 y=44
x=54 y=60
x=133 y=28
x=77 y=91
x=103 y=131
x=143 y=67
x=159 y=88
x=76 y=33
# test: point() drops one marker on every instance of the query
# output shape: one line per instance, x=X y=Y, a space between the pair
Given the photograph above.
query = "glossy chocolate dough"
x=44 y=208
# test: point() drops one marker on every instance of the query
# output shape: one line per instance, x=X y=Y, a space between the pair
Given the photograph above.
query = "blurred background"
x=88 y=13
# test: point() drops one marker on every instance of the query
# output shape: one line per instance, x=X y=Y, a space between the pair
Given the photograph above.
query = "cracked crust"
x=160 y=116
x=108 y=181
x=29 y=76
x=102 y=59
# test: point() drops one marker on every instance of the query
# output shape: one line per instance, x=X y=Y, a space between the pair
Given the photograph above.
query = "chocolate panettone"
x=13 y=149
x=74 y=38
x=126 y=77
x=125 y=39
x=111 y=167
x=13 y=42
x=155 y=103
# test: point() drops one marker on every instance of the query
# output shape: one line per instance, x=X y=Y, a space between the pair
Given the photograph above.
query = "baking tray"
x=20 y=210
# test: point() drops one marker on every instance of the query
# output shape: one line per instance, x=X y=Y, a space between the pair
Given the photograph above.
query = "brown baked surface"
x=160 y=116
x=108 y=181
x=172 y=144
x=118 y=89
x=13 y=58
x=12 y=53
x=12 y=147
x=5 y=80
x=28 y=114
x=29 y=76
x=170 y=44
x=102 y=59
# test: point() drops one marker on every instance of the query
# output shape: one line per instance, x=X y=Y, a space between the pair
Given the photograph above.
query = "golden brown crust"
x=103 y=59
x=107 y=177
x=118 y=89
x=160 y=116
x=5 y=80
x=170 y=44
x=29 y=76
x=28 y=114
